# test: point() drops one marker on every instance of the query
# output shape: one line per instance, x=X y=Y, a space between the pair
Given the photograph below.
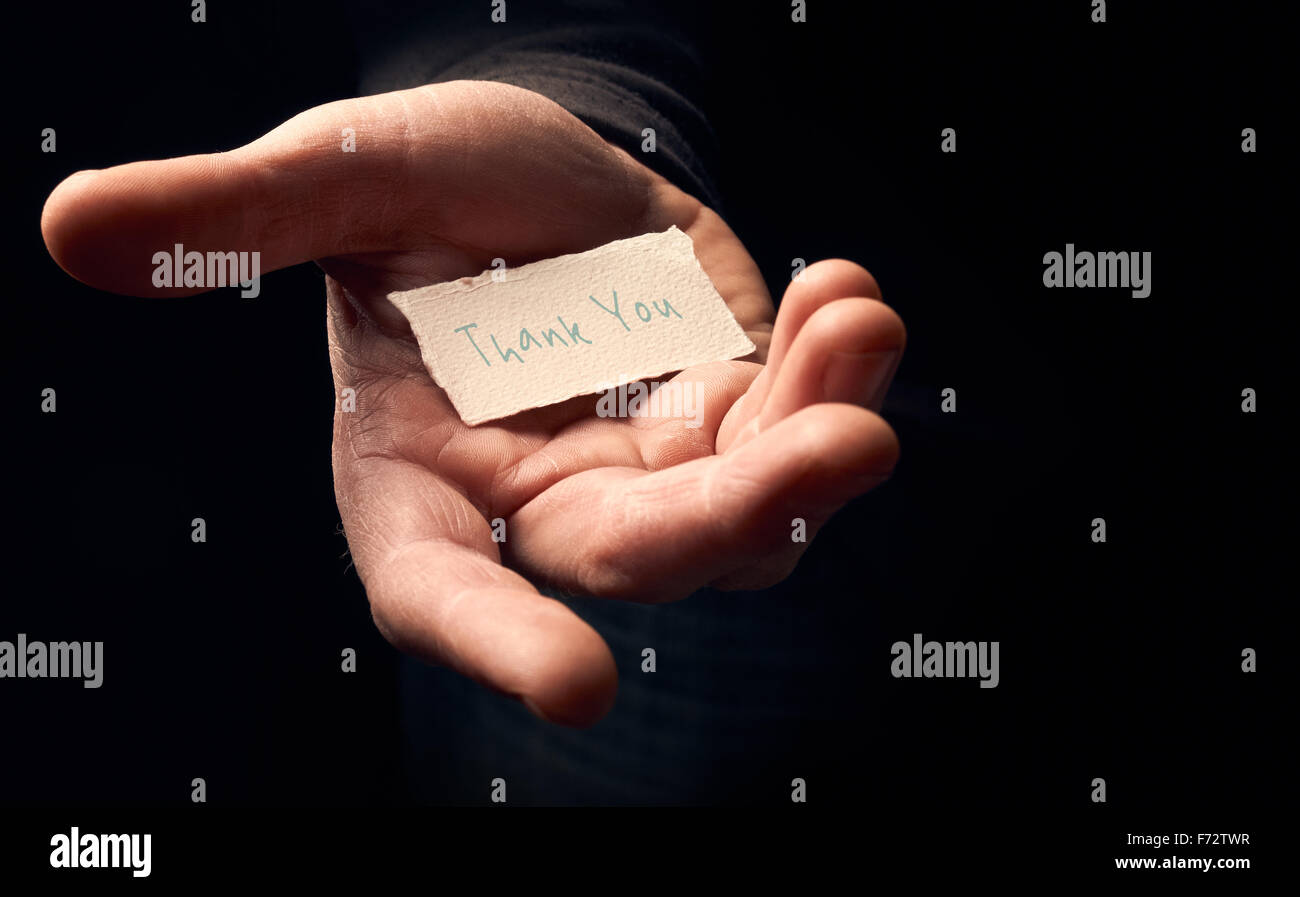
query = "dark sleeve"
x=618 y=69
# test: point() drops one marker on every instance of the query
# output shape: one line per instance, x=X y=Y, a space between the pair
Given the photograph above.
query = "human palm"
x=445 y=179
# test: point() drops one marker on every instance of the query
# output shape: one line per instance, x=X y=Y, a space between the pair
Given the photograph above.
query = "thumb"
x=431 y=163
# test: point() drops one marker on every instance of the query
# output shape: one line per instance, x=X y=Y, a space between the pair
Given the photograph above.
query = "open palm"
x=445 y=179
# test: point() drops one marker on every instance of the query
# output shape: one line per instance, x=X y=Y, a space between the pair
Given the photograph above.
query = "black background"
x=1119 y=660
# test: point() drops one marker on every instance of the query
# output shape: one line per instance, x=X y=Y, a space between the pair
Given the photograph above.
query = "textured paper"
x=547 y=331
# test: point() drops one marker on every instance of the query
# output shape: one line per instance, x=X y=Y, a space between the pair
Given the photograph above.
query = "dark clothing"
x=616 y=66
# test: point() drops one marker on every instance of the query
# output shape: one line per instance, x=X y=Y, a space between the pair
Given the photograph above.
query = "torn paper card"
x=519 y=338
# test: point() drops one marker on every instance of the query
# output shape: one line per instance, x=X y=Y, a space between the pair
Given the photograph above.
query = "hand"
x=444 y=179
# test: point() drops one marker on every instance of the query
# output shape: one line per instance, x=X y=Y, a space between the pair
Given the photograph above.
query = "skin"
x=445 y=178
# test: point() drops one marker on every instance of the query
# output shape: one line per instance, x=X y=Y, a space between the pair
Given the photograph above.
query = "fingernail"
x=534 y=709
x=860 y=378
x=869 y=481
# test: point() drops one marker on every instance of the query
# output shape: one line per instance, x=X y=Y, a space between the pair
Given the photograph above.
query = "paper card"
x=519 y=338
